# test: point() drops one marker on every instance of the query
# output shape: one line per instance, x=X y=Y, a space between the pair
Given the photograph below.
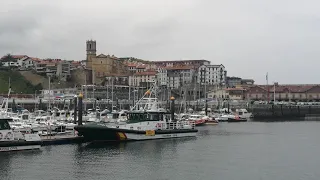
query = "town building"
x=236 y=93
x=114 y=79
x=58 y=68
x=212 y=75
x=220 y=94
x=18 y=61
x=233 y=82
x=177 y=76
x=175 y=63
x=162 y=77
x=143 y=79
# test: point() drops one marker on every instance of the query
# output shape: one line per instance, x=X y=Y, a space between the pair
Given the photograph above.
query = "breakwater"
x=282 y=112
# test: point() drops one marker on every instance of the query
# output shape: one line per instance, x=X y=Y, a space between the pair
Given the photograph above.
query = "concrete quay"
x=268 y=112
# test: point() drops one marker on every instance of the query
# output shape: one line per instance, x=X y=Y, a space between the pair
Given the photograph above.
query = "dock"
x=62 y=139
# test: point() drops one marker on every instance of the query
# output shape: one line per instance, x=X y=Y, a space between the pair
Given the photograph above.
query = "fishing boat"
x=145 y=121
x=14 y=141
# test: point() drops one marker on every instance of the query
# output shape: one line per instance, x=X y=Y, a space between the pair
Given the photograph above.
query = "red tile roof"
x=131 y=65
x=172 y=61
x=35 y=59
x=287 y=88
x=19 y=56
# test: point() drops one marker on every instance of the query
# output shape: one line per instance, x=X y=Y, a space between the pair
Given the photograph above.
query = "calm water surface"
x=241 y=151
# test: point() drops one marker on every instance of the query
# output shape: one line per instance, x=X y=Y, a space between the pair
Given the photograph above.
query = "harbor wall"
x=284 y=112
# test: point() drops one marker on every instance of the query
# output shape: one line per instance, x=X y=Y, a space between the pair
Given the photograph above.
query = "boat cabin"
x=134 y=117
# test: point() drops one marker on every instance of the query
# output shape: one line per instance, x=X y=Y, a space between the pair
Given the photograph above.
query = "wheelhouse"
x=134 y=117
x=4 y=124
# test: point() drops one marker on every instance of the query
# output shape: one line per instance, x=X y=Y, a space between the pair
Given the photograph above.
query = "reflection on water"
x=249 y=150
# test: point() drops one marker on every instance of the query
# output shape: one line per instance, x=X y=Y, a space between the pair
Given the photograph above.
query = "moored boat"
x=13 y=141
x=145 y=121
x=237 y=119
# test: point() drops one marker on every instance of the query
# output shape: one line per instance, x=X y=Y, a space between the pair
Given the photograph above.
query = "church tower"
x=91 y=52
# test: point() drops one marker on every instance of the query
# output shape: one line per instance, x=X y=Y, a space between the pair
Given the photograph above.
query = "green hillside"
x=18 y=83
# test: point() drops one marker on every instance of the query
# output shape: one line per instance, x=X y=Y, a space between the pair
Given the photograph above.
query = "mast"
x=129 y=94
x=112 y=94
x=274 y=93
x=86 y=93
x=49 y=105
x=205 y=92
x=267 y=86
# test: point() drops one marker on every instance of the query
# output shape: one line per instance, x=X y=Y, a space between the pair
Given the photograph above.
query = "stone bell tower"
x=91 y=52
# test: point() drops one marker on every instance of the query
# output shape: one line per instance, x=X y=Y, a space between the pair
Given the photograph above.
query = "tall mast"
x=49 y=105
x=112 y=94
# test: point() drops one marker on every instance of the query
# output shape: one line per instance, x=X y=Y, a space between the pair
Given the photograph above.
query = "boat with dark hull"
x=146 y=121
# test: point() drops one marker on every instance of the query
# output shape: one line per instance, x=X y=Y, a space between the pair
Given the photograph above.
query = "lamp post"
x=134 y=95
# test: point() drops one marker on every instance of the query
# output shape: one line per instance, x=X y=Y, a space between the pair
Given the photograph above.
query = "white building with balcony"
x=212 y=74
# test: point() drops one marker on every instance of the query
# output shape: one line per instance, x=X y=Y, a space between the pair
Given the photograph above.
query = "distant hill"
x=18 y=83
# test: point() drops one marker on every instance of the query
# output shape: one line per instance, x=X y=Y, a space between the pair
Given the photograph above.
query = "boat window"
x=4 y=125
x=115 y=116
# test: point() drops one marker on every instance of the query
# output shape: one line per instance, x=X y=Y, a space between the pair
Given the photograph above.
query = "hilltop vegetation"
x=18 y=83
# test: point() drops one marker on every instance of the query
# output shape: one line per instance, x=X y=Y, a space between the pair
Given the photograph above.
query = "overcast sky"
x=249 y=37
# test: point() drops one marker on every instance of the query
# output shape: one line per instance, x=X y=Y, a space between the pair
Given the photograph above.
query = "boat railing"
x=176 y=125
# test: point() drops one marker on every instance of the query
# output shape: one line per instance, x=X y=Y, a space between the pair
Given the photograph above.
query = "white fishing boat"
x=14 y=140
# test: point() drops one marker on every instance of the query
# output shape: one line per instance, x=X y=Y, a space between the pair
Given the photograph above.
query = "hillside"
x=18 y=83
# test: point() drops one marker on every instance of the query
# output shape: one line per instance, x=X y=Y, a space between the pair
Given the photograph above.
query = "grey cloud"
x=249 y=37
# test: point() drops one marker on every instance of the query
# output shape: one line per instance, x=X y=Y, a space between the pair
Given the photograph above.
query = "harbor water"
x=242 y=151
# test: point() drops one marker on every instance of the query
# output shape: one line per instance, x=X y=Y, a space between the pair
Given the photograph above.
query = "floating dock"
x=61 y=139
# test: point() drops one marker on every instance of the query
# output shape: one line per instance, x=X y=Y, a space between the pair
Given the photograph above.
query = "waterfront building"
x=285 y=92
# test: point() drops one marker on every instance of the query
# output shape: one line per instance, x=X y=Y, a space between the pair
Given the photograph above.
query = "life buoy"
x=9 y=135
x=1 y=136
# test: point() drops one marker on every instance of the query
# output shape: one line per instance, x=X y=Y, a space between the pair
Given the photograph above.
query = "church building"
x=102 y=65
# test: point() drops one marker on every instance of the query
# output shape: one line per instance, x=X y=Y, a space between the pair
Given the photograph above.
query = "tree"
x=8 y=58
